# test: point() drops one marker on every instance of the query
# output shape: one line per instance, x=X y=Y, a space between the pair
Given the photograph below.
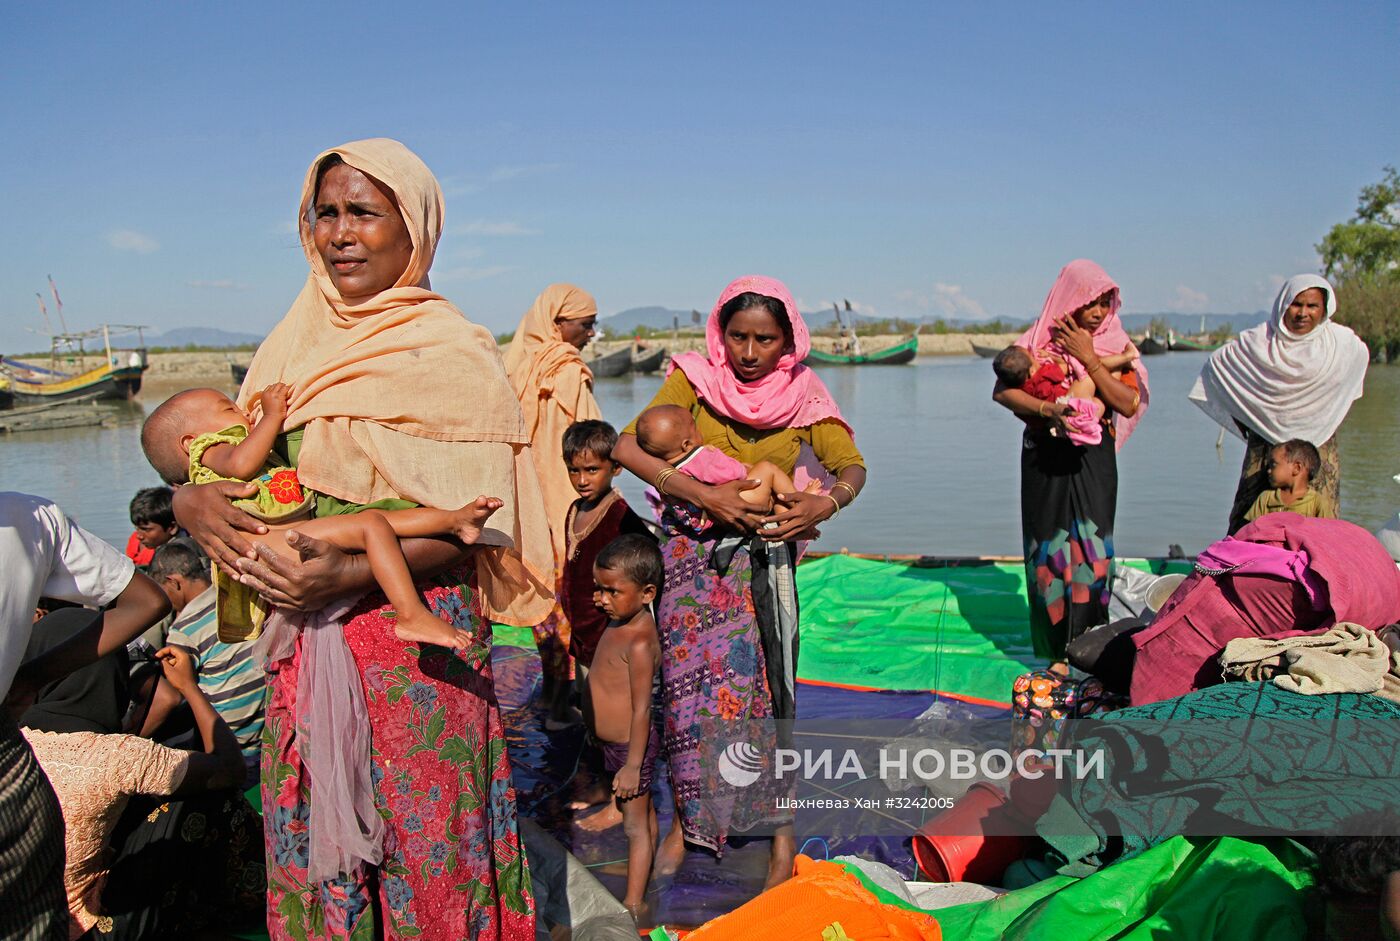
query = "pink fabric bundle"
x=333 y=737
x=1080 y=282
x=1084 y=426
x=712 y=466
x=1240 y=557
x=791 y=396
x=1266 y=593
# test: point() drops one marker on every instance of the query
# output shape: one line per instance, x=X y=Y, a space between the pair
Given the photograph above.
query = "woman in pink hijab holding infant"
x=1069 y=491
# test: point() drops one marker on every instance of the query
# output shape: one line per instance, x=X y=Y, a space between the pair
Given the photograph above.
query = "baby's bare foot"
x=422 y=628
x=471 y=519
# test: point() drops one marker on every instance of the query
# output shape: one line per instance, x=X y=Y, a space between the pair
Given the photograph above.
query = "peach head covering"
x=1080 y=282
x=555 y=389
x=402 y=396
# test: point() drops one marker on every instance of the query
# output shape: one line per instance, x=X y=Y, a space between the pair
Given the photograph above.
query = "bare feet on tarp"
x=561 y=719
x=560 y=714
x=639 y=913
x=608 y=816
x=469 y=521
x=422 y=627
x=670 y=853
x=590 y=794
x=781 y=858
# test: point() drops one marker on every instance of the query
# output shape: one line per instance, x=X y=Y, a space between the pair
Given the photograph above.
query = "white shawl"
x=1283 y=385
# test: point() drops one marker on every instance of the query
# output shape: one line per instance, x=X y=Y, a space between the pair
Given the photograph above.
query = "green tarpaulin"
x=870 y=624
x=1200 y=889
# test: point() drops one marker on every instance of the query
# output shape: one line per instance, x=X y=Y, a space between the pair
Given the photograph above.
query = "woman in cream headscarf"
x=396 y=397
x=1292 y=377
x=555 y=390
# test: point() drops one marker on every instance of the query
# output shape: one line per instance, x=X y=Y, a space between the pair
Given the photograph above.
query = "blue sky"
x=917 y=158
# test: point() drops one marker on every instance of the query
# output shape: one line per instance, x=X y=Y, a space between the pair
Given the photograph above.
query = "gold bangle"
x=665 y=474
x=835 y=504
x=849 y=489
x=1040 y=409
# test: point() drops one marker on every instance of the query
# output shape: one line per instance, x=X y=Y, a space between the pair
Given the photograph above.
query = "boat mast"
x=855 y=340
x=58 y=301
x=48 y=327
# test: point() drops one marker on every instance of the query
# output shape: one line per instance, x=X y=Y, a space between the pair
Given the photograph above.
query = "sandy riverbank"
x=169 y=369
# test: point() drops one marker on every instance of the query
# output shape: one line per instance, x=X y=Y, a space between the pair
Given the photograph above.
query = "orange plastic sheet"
x=821 y=902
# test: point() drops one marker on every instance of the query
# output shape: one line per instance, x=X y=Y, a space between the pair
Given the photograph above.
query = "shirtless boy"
x=628 y=573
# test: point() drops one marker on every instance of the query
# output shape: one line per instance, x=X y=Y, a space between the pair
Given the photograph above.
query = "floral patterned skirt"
x=453 y=865
x=716 y=695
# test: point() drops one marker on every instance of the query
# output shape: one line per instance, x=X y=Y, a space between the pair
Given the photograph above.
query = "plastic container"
x=972 y=841
x=1162 y=589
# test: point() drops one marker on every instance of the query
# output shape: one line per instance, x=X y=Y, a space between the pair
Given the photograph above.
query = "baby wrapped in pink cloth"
x=1049 y=380
x=669 y=432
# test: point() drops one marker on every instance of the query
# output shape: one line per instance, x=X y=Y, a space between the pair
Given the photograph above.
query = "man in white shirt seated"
x=43 y=553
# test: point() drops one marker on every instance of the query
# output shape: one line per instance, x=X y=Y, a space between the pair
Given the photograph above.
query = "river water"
x=943 y=459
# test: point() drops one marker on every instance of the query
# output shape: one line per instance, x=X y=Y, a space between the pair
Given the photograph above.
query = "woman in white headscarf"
x=1292 y=377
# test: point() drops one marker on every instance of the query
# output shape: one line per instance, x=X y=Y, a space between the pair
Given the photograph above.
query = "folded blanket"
x=1347 y=658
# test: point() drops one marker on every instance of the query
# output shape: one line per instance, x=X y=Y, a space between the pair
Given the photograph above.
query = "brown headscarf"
x=402 y=396
x=555 y=390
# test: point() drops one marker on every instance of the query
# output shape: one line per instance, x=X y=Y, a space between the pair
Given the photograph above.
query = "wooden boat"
x=1152 y=346
x=118 y=376
x=239 y=373
x=896 y=355
x=33 y=385
x=612 y=365
x=986 y=352
x=79 y=412
x=1189 y=345
x=649 y=360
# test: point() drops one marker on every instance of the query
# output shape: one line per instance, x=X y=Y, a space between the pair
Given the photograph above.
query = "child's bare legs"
x=1115 y=363
x=466 y=524
x=771 y=479
x=1082 y=389
x=781 y=856
x=370 y=532
x=639 y=823
x=671 y=851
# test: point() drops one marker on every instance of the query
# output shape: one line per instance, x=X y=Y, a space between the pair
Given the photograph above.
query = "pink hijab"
x=1080 y=282
x=791 y=396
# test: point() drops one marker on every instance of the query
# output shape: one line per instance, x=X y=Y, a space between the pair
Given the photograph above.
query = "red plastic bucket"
x=972 y=841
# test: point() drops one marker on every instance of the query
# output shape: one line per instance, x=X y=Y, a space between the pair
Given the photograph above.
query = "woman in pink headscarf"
x=1069 y=492
x=728 y=611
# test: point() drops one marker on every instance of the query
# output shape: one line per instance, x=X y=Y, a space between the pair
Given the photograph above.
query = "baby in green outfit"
x=201 y=436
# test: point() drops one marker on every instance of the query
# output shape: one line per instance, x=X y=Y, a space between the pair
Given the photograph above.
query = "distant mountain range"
x=662 y=318
x=1192 y=323
x=201 y=336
